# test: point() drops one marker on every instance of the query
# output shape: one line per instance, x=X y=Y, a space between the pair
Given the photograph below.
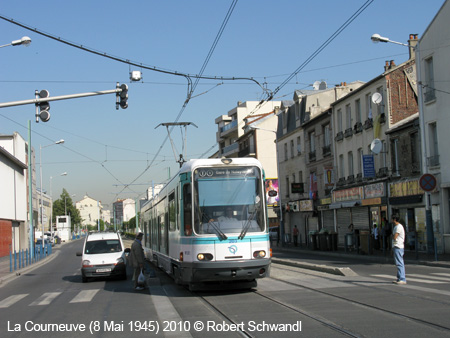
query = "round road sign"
x=427 y=182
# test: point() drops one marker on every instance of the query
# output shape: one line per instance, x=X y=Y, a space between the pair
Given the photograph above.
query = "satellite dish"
x=376 y=146
x=316 y=85
x=377 y=98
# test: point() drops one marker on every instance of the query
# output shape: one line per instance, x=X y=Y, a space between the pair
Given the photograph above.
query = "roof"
x=102 y=235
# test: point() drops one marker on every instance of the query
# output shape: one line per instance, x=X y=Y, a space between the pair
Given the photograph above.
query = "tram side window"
x=172 y=212
x=187 y=209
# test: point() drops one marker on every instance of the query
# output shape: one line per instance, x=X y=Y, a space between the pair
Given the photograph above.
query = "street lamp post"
x=279 y=181
x=25 y=41
x=428 y=215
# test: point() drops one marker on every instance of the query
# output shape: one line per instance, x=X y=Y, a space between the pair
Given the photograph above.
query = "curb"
x=322 y=268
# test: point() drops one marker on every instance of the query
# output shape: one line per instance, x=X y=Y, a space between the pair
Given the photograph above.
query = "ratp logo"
x=233 y=249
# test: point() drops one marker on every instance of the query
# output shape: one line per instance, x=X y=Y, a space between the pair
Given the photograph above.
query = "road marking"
x=441 y=274
x=431 y=277
x=46 y=298
x=11 y=300
x=84 y=296
x=408 y=279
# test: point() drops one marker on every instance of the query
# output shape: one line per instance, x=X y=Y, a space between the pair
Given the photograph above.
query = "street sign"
x=427 y=182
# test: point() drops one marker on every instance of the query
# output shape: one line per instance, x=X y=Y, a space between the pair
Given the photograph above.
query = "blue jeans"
x=398 y=257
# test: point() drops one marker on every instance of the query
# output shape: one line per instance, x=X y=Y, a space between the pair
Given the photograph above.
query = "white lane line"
x=11 y=300
x=84 y=296
x=46 y=298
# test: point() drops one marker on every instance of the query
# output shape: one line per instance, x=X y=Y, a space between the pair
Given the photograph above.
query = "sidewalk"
x=410 y=257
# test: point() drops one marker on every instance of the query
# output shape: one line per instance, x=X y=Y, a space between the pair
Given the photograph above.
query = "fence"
x=21 y=259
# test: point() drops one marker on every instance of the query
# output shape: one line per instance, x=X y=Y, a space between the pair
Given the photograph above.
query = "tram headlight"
x=204 y=257
x=259 y=254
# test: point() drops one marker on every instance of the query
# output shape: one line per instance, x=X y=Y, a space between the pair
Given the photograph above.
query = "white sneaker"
x=139 y=288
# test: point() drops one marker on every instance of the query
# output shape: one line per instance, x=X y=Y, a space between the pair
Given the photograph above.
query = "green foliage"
x=65 y=203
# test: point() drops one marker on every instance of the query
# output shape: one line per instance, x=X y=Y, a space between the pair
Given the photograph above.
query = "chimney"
x=386 y=66
x=412 y=42
x=392 y=64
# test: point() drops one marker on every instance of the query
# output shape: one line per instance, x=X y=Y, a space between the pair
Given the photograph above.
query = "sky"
x=110 y=154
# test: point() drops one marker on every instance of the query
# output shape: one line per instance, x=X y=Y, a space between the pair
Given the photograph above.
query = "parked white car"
x=103 y=255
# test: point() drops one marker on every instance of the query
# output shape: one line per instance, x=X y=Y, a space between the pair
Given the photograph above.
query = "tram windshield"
x=228 y=201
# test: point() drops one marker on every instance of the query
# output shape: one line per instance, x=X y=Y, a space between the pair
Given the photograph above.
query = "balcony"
x=358 y=128
x=312 y=156
x=359 y=177
x=351 y=179
x=348 y=132
x=229 y=126
x=339 y=136
x=433 y=161
x=247 y=151
x=383 y=172
x=383 y=118
x=232 y=148
x=341 y=181
x=368 y=124
x=326 y=150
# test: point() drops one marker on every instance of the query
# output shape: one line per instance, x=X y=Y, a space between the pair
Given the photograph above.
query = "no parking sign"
x=427 y=182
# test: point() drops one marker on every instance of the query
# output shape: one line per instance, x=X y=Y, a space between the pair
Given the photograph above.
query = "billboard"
x=272 y=195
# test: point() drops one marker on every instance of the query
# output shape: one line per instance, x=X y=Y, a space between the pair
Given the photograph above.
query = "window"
x=358 y=111
x=369 y=106
x=350 y=163
x=341 y=166
x=415 y=151
x=312 y=145
x=326 y=135
x=299 y=146
x=348 y=116
x=433 y=160
x=300 y=176
x=285 y=152
x=339 y=121
x=292 y=148
x=359 y=159
x=394 y=158
x=429 y=80
x=287 y=186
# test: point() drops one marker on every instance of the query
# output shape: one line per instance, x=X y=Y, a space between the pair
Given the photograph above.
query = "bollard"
x=15 y=260
x=10 y=261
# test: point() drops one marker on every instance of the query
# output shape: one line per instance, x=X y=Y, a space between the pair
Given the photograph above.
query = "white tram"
x=208 y=225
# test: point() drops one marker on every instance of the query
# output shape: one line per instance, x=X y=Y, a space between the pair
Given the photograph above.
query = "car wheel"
x=84 y=279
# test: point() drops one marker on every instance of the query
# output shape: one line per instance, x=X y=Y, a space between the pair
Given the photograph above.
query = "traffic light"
x=122 y=97
x=44 y=106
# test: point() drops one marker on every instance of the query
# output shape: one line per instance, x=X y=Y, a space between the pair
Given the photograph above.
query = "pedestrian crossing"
x=433 y=278
x=47 y=298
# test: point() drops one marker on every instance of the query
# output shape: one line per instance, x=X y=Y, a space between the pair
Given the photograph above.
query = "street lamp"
x=378 y=38
x=279 y=180
x=24 y=41
x=40 y=170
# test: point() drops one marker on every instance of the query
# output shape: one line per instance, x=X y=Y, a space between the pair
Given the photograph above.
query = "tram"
x=208 y=225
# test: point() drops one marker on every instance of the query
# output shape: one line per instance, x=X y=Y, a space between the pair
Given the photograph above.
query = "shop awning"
x=350 y=204
x=335 y=205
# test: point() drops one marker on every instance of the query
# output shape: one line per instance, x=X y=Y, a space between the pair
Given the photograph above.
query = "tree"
x=65 y=203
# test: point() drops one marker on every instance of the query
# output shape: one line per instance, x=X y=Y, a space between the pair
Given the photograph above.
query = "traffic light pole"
x=57 y=98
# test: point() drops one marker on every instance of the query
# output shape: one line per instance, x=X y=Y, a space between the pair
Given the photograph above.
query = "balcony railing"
x=229 y=126
x=358 y=128
x=326 y=150
x=368 y=124
x=312 y=155
x=339 y=136
x=348 y=132
x=231 y=148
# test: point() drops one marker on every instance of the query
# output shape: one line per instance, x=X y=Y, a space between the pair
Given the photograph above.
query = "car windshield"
x=102 y=246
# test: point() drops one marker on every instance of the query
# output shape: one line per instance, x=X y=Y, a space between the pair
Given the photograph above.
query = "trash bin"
x=364 y=242
x=333 y=241
x=313 y=240
x=323 y=243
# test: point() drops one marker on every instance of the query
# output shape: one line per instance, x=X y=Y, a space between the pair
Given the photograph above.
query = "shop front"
x=407 y=200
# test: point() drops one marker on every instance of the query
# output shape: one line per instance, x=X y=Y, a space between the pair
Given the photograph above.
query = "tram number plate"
x=103 y=270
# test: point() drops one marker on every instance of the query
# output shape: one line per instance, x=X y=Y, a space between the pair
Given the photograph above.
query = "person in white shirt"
x=398 y=245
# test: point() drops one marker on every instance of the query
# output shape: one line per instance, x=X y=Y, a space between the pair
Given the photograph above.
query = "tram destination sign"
x=205 y=173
